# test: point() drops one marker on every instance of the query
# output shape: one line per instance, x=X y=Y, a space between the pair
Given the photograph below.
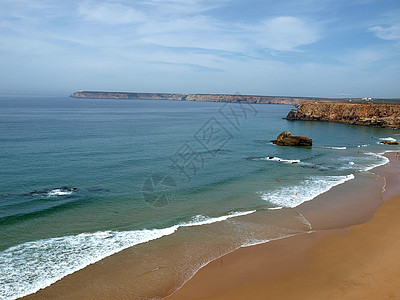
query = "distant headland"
x=237 y=98
x=196 y=97
x=357 y=111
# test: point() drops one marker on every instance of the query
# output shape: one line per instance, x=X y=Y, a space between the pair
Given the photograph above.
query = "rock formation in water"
x=286 y=139
x=386 y=142
x=380 y=115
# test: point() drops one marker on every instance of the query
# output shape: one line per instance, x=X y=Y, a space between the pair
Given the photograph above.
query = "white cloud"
x=390 y=33
x=110 y=13
x=286 y=33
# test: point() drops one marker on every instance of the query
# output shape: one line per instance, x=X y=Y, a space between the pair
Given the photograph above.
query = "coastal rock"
x=286 y=139
x=379 y=115
x=293 y=115
x=387 y=142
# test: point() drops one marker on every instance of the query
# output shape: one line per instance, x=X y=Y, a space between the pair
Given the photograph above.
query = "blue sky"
x=295 y=48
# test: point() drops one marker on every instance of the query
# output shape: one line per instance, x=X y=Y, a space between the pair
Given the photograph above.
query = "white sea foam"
x=390 y=139
x=292 y=196
x=202 y=220
x=275 y=208
x=363 y=164
x=28 y=267
x=59 y=192
x=380 y=161
x=256 y=242
x=333 y=147
x=349 y=164
x=286 y=161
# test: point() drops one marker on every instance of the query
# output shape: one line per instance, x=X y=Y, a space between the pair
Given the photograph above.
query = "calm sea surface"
x=83 y=179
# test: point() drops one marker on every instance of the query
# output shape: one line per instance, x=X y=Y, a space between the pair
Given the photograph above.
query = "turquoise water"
x=78 y=177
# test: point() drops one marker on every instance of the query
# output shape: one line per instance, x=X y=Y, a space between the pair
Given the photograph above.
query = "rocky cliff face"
x=359 y=114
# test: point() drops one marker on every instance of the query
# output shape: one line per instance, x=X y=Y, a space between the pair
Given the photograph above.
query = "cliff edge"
x=379 y=115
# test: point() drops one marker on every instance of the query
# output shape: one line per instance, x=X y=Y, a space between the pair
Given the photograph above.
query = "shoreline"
x=113 y=275
x=352 y=262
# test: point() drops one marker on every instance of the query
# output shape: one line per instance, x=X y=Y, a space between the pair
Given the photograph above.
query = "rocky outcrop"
x=380 y=115
x=286 y=139
x=389 y=142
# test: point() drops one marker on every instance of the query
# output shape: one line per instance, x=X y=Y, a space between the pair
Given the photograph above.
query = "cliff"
x=380 y=115
x=196 y=97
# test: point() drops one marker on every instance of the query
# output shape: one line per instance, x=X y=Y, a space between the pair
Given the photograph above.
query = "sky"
x=320 y=48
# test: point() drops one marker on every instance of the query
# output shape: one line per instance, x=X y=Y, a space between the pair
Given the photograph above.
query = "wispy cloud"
x=286 y=33
x=391 y=33
x=280 y=33
x=183 y=7
x=110 y=13
x=147 y=24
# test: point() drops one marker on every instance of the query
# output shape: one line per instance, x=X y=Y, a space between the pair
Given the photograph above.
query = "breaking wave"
x=31 y=266
x=292 y=196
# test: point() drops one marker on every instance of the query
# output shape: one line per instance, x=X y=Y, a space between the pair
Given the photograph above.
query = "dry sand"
x=360 y=262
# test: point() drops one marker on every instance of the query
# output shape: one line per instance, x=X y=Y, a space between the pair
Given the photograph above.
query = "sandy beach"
x=359 y=262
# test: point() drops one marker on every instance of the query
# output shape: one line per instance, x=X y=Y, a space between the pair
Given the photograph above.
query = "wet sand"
x=359 y=262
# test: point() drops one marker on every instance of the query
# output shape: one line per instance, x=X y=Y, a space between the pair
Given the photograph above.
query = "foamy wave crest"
x=389 y=139
x=275 y=208
x=337 y=148
x=63 y=191
x=380 y=161
x=202 y=220
x=28 y=267
x=292 y=196
x=59 y=192
x=286 y=161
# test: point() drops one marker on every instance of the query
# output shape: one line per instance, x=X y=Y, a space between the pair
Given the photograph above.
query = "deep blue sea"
x=82 y=179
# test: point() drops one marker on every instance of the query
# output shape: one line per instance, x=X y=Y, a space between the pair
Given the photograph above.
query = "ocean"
x=82 y=179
